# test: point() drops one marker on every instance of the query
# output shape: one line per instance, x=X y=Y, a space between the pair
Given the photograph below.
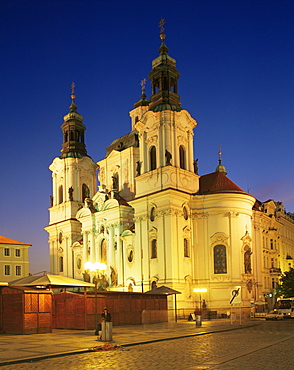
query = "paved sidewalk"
x=22 y=348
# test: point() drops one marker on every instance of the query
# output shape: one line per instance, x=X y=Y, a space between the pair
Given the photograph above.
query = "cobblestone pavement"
x=268 y=346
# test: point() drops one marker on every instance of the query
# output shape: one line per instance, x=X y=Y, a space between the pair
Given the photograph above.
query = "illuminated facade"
x=152 y=219
x=14 y=259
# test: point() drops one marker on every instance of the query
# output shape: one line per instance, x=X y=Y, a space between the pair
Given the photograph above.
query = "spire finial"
x=161 y=25
x=220 y=154
x=220 y=167
x=73 y=90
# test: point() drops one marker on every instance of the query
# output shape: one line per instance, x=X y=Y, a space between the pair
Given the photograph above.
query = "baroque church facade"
x=153 y=220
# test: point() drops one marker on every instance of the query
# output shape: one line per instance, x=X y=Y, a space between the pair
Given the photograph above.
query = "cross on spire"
x=143 y=84
x=161 y=25
x=73 y=90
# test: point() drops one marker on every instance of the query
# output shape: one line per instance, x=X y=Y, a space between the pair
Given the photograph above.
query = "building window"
x=186 y=248
x=18 y=270
x=6 y=269
x=60 y=264
x=17 y=253
x=152 y=158
x=220 y=259
x=153 y=248
x=182 y=157
x=6 y=251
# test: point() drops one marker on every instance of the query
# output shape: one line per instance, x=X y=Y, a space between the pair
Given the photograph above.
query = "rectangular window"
x=6 y=251
x=60 y=264
x=6 y=269
x=154 y=248
x=18 y=270
x=186 y=248
x=17 y=253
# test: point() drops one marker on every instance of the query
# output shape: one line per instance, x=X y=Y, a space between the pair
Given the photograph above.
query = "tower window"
x=152 y=158
x=220 y=259
x=60 y=193
x=182 y=157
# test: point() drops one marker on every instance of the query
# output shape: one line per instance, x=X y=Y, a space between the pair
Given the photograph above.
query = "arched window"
x=220 y=259
x=85 y=192
x=60 y=194
x=186 y=248
x=103 y=252
x=182 y=157
x=152 y=158
x=153 y=248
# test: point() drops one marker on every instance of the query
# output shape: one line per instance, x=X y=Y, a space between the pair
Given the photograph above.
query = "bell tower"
x=73 y=184
x=165 y=131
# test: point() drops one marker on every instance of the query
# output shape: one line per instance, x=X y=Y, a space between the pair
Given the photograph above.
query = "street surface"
x=268 y=346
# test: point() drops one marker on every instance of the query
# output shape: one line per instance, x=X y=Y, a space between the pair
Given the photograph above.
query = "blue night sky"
x=236 y=60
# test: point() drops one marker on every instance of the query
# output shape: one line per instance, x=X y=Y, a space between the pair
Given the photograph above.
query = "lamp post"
x=98 y=269
x=198 y=317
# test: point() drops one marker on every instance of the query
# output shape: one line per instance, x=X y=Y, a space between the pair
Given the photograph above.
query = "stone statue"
x=139 y=164
x=168 y=158
x=247 y=261
x=113 y=276
x=86 y=276
x=114 y=182
x=195 y=163
x=70 y=193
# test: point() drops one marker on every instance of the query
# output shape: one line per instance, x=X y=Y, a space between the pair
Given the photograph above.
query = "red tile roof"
x=217 y=182
x=4 y=240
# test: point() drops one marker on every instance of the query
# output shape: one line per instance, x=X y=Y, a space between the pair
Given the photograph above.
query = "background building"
x=153 y=220
x=14 y=260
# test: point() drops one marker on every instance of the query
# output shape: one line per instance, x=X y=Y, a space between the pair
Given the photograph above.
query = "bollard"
x=198 y=321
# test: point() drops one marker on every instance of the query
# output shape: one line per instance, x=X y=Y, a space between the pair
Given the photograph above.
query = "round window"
x=130 y=255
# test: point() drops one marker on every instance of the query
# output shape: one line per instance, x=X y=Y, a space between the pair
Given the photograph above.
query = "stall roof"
x=50 y=280
x=163 y=290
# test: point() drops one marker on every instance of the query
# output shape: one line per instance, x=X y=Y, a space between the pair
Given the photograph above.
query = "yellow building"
x=14 y=260
x=153 y=220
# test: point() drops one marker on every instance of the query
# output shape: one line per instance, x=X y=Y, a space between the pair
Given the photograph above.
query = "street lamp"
x=98 y=268
x=198 y=317
x=200 y=290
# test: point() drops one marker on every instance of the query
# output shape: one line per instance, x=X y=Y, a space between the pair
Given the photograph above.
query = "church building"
x=145 y=217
